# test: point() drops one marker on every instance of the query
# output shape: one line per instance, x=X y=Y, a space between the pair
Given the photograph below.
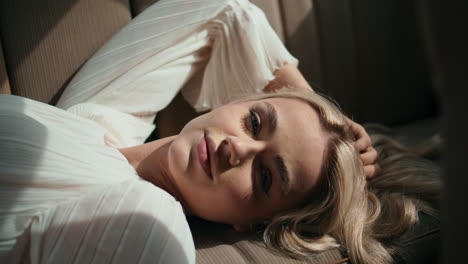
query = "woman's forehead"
x=297 y=117
x=301 y=141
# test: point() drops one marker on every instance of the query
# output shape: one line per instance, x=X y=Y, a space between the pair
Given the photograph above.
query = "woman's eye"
x=251 y=123
x=265 y=177
x=254 y=122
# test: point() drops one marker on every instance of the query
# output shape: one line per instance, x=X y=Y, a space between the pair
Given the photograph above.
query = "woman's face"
x=247 y=161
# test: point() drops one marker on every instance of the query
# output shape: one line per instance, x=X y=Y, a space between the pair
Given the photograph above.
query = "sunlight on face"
x=247 y=161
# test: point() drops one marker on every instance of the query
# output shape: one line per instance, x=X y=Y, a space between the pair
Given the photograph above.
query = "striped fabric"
x=65 y=197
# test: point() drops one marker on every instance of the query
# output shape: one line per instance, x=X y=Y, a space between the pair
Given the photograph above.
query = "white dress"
x=67 y=195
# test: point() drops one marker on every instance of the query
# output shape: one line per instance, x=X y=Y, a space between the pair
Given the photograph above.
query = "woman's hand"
x=363 y=144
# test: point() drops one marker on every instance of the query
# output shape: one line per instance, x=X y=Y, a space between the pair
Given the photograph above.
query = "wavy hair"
x=348 y=212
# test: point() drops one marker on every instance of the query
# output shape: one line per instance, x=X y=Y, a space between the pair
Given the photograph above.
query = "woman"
x=80 y=185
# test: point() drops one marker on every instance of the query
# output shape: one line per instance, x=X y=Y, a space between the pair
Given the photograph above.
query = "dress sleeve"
x=245 y=53
x=227 y=45
x=133 y=222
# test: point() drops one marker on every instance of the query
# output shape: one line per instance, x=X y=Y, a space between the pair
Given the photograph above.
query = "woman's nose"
x=242 y=149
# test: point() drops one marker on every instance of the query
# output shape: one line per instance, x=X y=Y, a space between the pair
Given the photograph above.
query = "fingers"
x=363 y=140
x=363 y=145
x=369 y=156
x=371 y=170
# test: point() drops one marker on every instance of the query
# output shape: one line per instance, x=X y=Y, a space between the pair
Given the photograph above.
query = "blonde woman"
x=78 y=184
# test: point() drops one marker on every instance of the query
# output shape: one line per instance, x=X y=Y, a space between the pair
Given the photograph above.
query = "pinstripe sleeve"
x=133 y=222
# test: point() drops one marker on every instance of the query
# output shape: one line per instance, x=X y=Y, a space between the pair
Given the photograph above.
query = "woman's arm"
x=287 y=76
x=290 y=76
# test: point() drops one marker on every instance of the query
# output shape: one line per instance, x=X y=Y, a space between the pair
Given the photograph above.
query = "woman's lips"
x=204 y=155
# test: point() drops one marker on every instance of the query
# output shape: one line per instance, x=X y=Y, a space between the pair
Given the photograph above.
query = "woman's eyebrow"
x=272 y=117
x=284 y=174
x=279 y=161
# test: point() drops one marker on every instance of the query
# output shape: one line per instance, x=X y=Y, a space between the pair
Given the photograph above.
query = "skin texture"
x=233 y=194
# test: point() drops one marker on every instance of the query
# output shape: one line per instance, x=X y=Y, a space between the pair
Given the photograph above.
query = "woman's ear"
x=242 y=228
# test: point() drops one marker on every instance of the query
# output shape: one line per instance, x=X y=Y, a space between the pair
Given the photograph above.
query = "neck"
x=150 y=161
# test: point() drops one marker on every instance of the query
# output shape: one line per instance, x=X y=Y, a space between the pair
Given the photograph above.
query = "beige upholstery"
x=302 y=37
x=218 y=243
x=46 y=42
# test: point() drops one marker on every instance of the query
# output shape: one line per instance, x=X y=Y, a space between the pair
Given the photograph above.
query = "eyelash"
x=265 y=180
x=253 y=117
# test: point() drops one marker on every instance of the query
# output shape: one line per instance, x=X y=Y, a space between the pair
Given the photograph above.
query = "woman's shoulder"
x=24 y=114
x=104 y=223
x=151 y=218
x=12 y=105
x=17 y=104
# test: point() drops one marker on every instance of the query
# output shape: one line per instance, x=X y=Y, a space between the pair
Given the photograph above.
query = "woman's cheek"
x=178 y=157
x=240 y=187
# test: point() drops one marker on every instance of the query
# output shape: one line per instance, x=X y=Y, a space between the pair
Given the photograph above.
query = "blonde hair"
x=348 y=212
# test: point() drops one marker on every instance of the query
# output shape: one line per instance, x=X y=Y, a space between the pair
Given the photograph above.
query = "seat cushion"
x=218 y=243
x=46 y=42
